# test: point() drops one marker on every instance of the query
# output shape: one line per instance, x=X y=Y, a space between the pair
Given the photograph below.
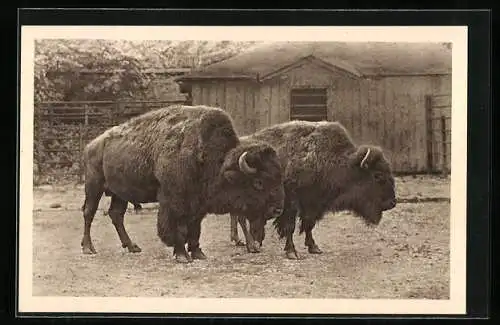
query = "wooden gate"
x=438 y=113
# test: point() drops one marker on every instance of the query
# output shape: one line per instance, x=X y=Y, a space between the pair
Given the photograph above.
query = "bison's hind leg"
x=116 y=212
x=93 y=194
x=285 y=226
x=307 y=225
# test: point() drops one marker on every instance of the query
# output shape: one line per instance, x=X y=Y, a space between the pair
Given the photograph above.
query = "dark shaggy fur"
x=187 y=159
x=323 y=173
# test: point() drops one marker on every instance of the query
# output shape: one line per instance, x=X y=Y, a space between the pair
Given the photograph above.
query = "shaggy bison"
x=189 y=160
x=324 y=171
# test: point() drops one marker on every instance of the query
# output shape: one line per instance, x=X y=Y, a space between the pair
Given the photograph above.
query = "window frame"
x=316 y=92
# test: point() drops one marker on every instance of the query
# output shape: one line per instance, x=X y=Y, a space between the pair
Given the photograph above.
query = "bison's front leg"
x=252 y=245
x=193 y=234
x=181 y=234
x=116 y=212
x=291 y=252
x=234 y=231
x=172 y=230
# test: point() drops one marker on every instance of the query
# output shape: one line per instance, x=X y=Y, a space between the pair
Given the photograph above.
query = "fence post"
x=112 y=110
x=428 y=118
x=86 y=116
x=80 y=172
x=444 y=146
x=81 y=136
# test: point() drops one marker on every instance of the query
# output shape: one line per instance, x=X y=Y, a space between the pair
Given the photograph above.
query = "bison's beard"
x=224 y=205
x=371 y=220
x=367 y=211
x=372 y=215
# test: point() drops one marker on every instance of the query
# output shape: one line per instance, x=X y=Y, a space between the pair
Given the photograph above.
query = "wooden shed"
x=395 y=95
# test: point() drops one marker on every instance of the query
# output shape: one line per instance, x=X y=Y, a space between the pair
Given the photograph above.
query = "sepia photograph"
x=243 y=169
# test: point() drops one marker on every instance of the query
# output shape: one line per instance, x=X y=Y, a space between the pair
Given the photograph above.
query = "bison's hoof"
x=292 y=255
x=255 y=248
x=198 y=255
x=314 y=249
x=239 y=242
x=183 y=259
x=88 y=250
x=133 y=248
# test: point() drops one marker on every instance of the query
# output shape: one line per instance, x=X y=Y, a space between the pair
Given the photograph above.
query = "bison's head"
x=251 y=183
x=370 y=188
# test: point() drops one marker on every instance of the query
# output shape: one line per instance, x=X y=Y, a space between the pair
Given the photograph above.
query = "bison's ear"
x=365 y=156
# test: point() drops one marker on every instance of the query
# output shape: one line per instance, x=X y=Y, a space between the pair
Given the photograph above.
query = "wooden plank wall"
x=389 y=111
x=274 y=99
x=402 y=109
x=441 y=107
x=235 y=97
x=405 y=119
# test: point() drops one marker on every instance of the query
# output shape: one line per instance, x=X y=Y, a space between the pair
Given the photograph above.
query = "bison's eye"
x=257 y=183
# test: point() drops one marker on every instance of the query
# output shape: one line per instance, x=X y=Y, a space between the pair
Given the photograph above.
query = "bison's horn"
x=242 y=162
x=363 y=165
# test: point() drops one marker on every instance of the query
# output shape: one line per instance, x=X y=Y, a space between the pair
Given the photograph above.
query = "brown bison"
x=190 y=160
x=324 y=171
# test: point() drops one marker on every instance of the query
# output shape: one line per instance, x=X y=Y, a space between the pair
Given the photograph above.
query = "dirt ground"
x=406 y=256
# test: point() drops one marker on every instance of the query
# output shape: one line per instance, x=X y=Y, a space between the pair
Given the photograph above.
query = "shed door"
x=308 y=104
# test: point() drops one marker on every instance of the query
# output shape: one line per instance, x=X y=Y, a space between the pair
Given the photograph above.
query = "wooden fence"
x=438 y=111
x=62 y=129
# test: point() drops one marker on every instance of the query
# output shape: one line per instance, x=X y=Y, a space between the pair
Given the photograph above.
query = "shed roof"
x=367 y=58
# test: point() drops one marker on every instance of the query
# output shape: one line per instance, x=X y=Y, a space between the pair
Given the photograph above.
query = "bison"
x=190 y=160
x=324 y=171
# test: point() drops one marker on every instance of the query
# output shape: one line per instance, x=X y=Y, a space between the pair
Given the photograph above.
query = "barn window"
x=308 y=104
